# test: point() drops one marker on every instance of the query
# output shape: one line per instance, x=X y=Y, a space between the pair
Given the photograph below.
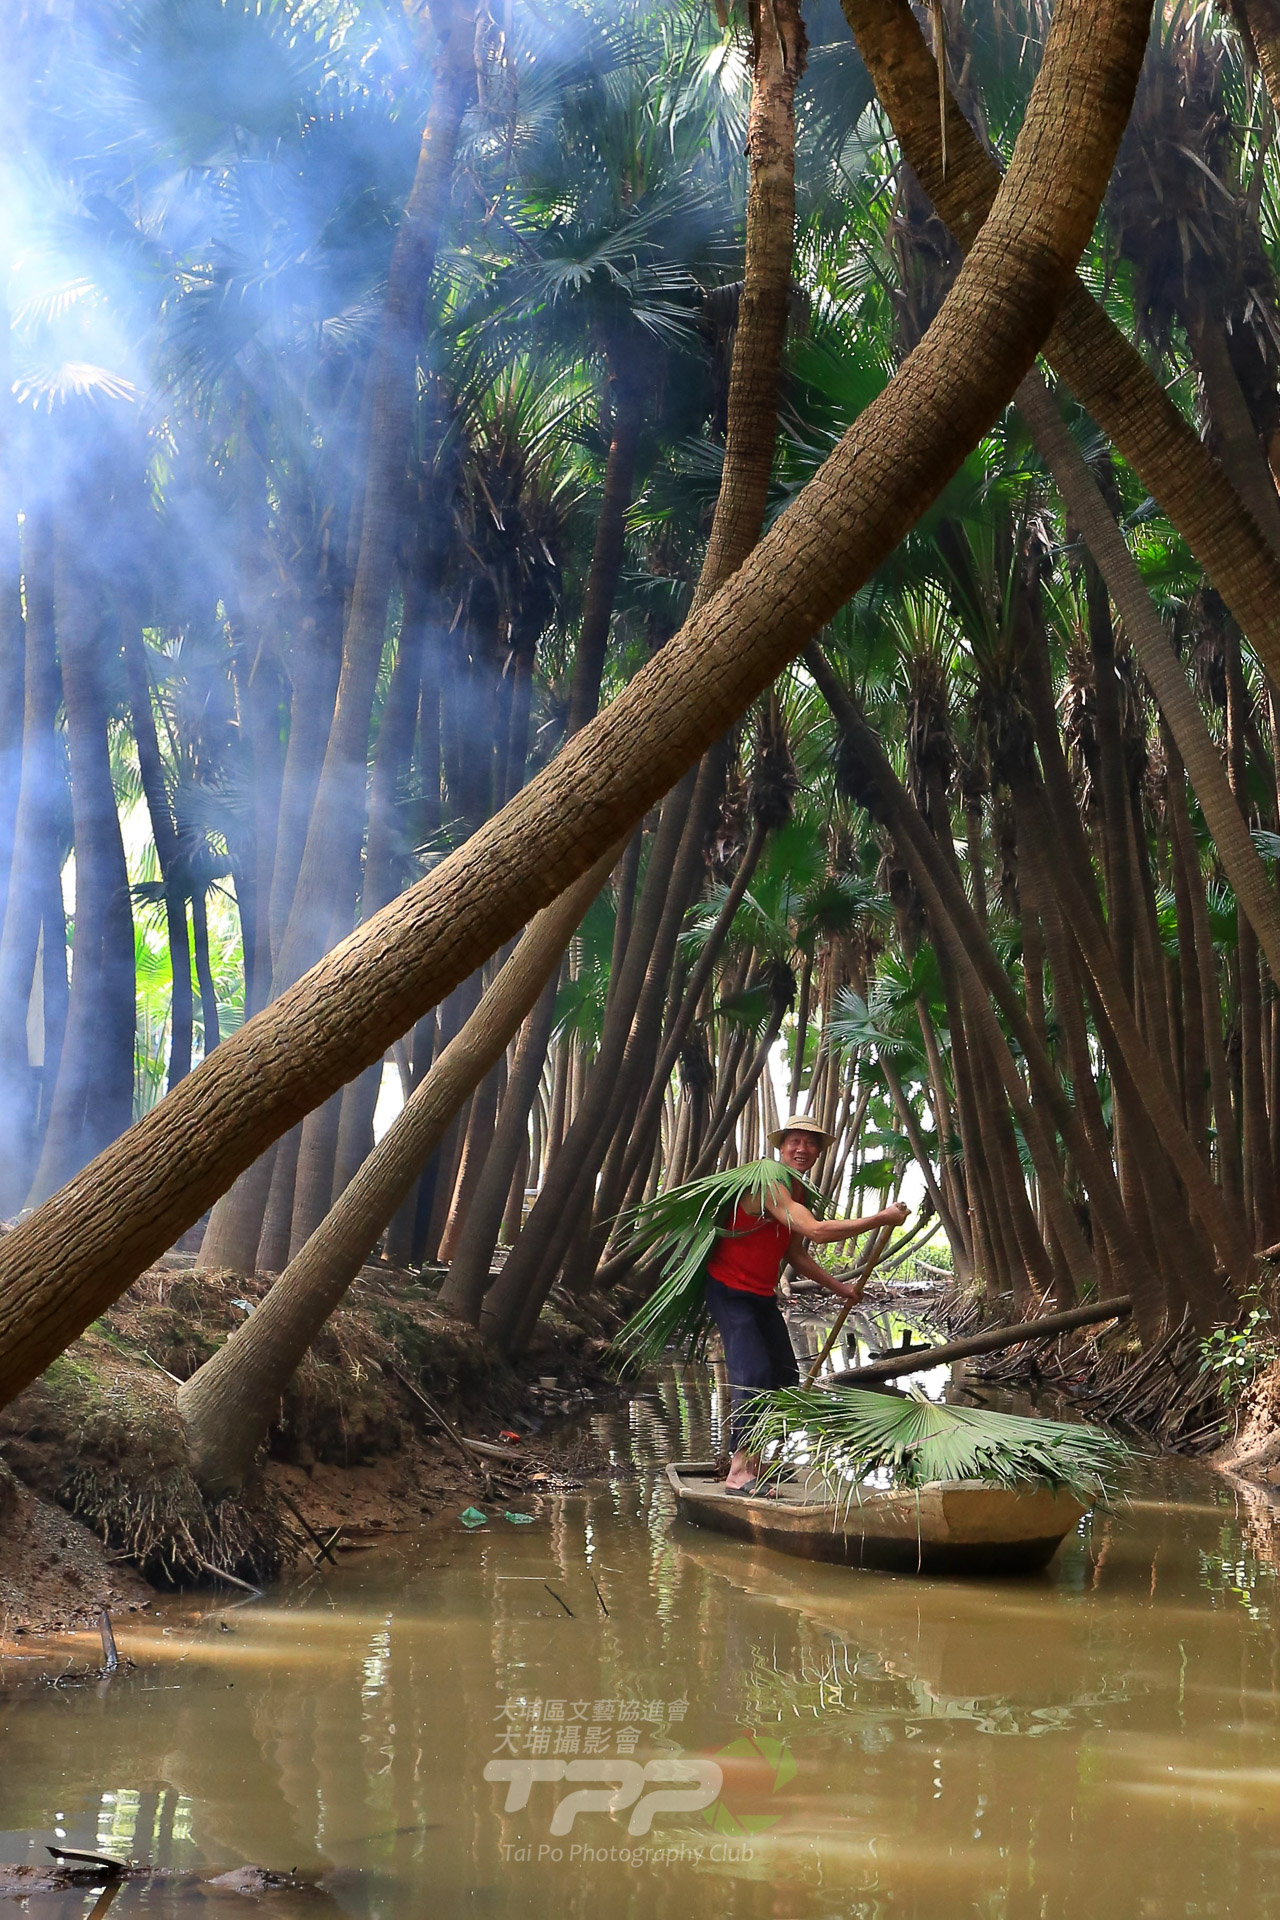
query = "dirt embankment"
x=96 y=1499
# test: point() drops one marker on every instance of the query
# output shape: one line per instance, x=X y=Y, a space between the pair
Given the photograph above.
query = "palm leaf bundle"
x=676 y=1231
x=846 y=1435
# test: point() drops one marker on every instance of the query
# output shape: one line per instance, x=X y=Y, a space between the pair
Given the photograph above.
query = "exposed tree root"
x=1162 y=1391
x=99 y=1435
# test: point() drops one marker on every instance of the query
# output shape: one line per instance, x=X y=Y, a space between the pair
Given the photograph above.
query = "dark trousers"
x=757 y=1349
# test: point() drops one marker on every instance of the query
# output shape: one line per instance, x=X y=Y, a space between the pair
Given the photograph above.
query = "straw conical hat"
x=799 y=1123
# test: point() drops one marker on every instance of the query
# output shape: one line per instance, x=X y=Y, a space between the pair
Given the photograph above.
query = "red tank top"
x=750 y=1252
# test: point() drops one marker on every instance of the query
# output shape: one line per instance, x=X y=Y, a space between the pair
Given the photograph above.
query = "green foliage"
x=847 y=1434
x=1237 y=1354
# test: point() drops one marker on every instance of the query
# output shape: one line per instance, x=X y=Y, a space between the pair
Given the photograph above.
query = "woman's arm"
x=790 y=1212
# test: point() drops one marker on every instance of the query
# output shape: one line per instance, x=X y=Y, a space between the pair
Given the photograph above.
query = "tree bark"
x=1104 y=371
x=93 y=1099
x=63 y=1265
x=468 y=1276
x=334 y=1146
x=34 y=873
x=329 y=871
x=630 y=399
x=1152 y=644
x=228 y=1404
x=871 y=768
x=164 y=833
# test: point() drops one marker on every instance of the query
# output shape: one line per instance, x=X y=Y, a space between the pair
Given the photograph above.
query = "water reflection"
x=1102 y=1740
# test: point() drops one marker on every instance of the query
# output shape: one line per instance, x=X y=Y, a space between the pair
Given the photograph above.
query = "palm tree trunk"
x=1150 y=1085
x=329 y=871
x=337 y=1137
x=468 y=1276
x=1256 y=1147
x=1190 y=960
x=1151 y=642
x=746 y=1087
x=469 y=1270
x=164 y=834
x=1103 y=369
x=1259 y=20
x=530 y=1267
x=640 y=1149
x=34 y=873
x=93 y=1099
x=64 y=1264
x=605 y=570
x=210 y=1029
x=779 y=50
x=869 y=773
x=911 y=1127
x=12 y=633
x=229 y=1403
x=779 y=47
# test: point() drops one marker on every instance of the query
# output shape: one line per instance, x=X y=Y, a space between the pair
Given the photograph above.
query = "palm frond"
x=678 y=1229
x=847 y=1435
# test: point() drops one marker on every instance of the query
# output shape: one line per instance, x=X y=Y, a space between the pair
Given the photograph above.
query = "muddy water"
x=1104 y=1740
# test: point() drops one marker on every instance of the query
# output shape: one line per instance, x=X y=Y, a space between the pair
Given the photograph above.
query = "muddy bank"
x=98 y=1508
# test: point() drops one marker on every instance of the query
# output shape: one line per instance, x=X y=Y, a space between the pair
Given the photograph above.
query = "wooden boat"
x=950 y=1526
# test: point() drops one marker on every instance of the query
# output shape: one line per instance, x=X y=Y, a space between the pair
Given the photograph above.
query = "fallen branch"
x=307 y=1528
x=232 y=1579
x=466 y=1447
x=989 y=1342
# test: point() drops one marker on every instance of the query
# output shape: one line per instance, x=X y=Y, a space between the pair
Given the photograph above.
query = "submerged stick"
x=878 y=1247
x=307 y=1527
x=110 y=1655
x=989 y=1342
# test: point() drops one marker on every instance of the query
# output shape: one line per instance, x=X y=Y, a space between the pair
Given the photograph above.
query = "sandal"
x=748 y=1490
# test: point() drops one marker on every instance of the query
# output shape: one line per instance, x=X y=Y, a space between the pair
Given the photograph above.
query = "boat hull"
x=959 y=1527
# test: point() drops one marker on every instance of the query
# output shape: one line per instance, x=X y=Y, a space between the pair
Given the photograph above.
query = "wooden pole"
x=878 y=1247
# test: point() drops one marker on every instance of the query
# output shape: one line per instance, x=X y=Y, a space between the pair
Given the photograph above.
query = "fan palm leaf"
x=677 y=1230
x=846 y=1435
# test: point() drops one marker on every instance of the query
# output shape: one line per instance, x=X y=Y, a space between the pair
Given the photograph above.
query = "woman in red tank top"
x=742 y=1281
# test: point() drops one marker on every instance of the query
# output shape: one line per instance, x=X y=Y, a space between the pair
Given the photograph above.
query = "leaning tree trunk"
x=65 y=1264
x=229 y=1403
x=1104 y=370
